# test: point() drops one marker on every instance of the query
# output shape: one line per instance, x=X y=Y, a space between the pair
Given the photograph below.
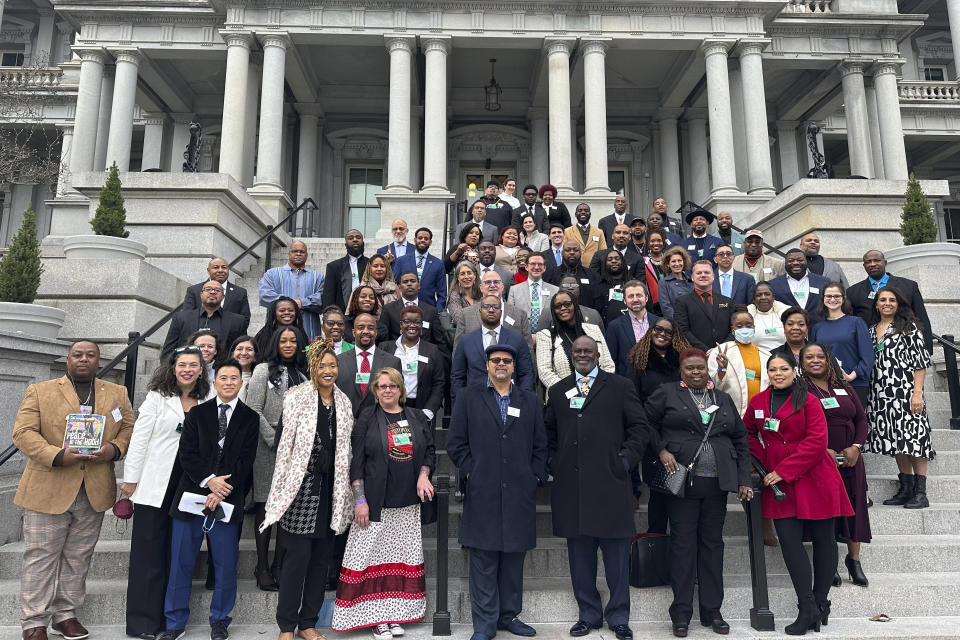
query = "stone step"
x=939 y=488
x=947 y=463
x=550 y=600
x=887 y=554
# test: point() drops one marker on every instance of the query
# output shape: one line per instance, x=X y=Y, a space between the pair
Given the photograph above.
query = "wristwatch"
x=858 y=446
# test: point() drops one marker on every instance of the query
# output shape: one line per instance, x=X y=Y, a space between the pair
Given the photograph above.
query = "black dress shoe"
x=582 y=628
x=518 y=628
x=837 y=580
x=680 y=629
x=622 y=631
x=719 y=625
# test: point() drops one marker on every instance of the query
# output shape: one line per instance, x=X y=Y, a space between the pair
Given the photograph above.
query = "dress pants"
x=696 y=549
x=56 y=557
x=496 y=588
x=582 y=552
x=224 y=547
x=303 y=577
x=149 y=569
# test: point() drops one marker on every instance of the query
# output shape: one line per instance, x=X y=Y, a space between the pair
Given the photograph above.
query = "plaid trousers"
x=56 y=558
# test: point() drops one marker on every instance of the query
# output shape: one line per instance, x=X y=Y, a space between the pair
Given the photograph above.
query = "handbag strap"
x=703 y=442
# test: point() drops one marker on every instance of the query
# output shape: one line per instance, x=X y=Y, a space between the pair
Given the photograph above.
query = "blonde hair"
x=395 y=377
x=315 y=352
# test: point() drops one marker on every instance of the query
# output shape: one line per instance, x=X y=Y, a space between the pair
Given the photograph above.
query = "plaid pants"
x=56 y=557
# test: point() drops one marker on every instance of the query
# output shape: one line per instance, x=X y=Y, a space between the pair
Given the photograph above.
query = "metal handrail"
x=135 y=339
x=950 y=351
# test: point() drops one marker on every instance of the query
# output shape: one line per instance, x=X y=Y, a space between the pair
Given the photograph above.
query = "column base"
x=766 y=192
x=423 y=209
x=272 y=199
x=600 y=201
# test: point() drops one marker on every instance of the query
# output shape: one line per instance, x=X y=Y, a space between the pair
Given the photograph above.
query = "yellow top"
x=751 y=362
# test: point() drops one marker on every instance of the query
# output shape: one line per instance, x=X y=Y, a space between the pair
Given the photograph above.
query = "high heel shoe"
x=837 y=580
x=265 y=581
x=824 y=607
x=808 y=618
x=857 y=576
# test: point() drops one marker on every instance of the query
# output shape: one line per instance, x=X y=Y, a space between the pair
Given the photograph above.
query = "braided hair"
x=833 y=377
x=639 y=354
x=318 y=348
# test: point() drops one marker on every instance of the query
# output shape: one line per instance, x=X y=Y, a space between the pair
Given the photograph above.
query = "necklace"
x=818 y=391
x=701 y=402
x=89 y=393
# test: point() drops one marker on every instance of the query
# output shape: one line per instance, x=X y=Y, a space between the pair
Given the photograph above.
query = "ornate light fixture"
x=492 y=91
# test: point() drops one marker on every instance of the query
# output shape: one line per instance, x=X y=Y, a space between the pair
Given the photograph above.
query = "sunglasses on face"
x=499 y=360
x=563 y=305
x=663 y=330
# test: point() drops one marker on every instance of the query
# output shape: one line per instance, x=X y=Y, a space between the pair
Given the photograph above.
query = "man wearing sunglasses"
x=469 y=361
x=211 y=315
x=498 y=442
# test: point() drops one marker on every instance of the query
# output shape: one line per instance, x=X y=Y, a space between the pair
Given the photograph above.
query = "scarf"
x=386 y=292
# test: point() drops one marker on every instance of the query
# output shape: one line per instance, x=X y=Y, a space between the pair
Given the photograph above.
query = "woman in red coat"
x=788 y=434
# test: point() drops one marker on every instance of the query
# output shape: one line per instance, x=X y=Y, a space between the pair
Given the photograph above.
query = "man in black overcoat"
x=596 y=433
x=498 y=442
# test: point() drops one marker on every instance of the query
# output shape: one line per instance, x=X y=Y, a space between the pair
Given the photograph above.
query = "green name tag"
x=800 y=294
x=576 y=402
x=704 y=417
x=401 y=439
x=829 y=403
x=750 y=374
x=355 y=276
x=769 y=331
x=879 y=347
x=363 y=378
x=535 y=304
x=412 y=367
x=345 y=346
x=771 y=424
x=872 y=295
x=616 y=295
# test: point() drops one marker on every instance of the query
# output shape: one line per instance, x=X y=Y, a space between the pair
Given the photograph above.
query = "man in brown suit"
x=64 y=492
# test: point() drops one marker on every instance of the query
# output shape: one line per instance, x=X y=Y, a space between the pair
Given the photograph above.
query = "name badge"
x=814 y=290
x=571 y=392
x=770 y=331
x=423 y=359
x=584 y=280
x=771 y=424
x=799 y=294
x=737 y=245
x=767 y=270
x=558 y=342
x=363 y=378
x=403 y=423
x=595 y=238
x=758 y=414
x=872 y=295
x=879 y=347
x=535 y=304
x=117 y=416
x=510 y=320
x=704 y=417
x=700 y=252
x=577 y=402
x=712 y=408
x=179 y=427
x=401 y=438
x=354 y=275
x=840 y=392
x=513 y=411
x=691 y=247
x=425 y=324
x=411 y=367
x=616 y=295
x=544 y=294
x=750 y=374
x=829 y=403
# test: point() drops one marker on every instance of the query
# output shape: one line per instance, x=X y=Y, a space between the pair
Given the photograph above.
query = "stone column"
x=251 y=111
x=121 y=114
x=789 y=160
x=66 y=144
x=103 y=120
x=2 y=4
x=234 y=103
x=307 y=161
x=88 y=105
x=858 y=127
x=436 y=49
x=670 y=158
x=152 y=141
x=888 y=114
x=270 y=141
x=953 y=16
x=398 y=152
x=721 y=122
x=539 y=147
x=595 y=114
x=699 y=155
x=759 y=169
x=44 y=41
x=874 y=122
x=179 y=141
x=561 y=149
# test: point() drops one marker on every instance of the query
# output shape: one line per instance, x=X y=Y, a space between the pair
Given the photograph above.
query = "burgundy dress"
x=846 y=425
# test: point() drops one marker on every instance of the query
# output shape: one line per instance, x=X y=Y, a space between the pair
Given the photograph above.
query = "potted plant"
x=19 y=280
x=919 y=230
x=109 y=225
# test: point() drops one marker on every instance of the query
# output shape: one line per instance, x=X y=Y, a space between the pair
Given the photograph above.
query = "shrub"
x=20 y=270
x=111 y=217
x=917 y=225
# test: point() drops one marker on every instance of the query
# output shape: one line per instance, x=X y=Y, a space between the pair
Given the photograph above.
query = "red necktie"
x=364 y=368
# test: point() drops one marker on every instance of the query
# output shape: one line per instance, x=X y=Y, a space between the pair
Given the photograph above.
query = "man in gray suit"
x=810 y=243
x=478 y=215
x=521 y=295
x=358 y=365
x=513 y=317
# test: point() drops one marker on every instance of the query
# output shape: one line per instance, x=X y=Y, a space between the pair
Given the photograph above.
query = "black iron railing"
x=134 y=339
x=761 y=618
x=950 y=351
x=441 y=614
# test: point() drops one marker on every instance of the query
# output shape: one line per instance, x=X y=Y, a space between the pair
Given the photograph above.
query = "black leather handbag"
x=650 y=560
x=676 y=483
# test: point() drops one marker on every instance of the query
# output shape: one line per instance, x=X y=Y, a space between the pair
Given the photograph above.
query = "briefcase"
x=650 y=560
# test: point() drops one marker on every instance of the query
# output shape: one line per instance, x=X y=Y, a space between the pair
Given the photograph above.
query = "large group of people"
x=605 y=355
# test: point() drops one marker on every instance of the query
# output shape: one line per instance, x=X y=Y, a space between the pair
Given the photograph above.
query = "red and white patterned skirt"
x=382 y=579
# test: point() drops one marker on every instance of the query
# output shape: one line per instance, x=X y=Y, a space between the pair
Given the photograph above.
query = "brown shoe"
x=70 y=629
x=35 y=633
x=311 y=634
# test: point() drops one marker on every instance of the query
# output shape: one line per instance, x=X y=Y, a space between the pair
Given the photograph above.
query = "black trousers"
x=336 y=557
x=303 y=576
x=791 y=533
x=863 y=393
x=149 y=569
x=496 y=589
x=582 y=552
x=696 y=549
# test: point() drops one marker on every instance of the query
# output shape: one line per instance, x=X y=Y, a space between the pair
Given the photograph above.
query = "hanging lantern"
x=492 y=91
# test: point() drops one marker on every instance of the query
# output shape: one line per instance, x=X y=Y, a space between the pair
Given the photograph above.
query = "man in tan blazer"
x=589 y=237
x=64 y=492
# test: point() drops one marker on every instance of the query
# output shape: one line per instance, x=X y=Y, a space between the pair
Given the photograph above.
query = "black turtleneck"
x=778 y=397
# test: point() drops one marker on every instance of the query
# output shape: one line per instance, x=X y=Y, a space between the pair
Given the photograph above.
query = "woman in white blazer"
x=531 y=237
x=555 y=343
x=739 y=367
x=150 y=478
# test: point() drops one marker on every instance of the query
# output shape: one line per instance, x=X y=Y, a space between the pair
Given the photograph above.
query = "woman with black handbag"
x=703 y=456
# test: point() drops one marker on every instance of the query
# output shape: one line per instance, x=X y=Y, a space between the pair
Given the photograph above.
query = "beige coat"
x=38 y=432
x=734 y=382
x=595 y=241
x=552 y=372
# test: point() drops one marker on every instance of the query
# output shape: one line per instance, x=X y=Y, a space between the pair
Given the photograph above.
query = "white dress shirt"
x=353 y=270
x=802 y=286
x=409 y=358
x=488 y=339
x=720 y=274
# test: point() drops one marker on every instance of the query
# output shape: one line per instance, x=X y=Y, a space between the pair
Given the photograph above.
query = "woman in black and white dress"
x=896 y=410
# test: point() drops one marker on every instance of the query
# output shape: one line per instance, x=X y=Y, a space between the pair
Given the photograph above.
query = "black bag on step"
x=650 y=560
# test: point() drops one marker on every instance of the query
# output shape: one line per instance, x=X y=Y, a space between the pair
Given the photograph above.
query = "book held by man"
x=84 y=432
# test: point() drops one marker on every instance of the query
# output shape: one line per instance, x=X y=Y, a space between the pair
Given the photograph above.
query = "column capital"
x=537 y=113
x=309 y=109
x=399 y=42
x=852 y=66
x=889 y=66
x=436 y=42
x=91 y=54
x=715 y=47
x=558 y=45
x=233 y=38
x=665 y=113
x=280 y=40
x=695 y=114
x=133 y=56
x=153 y=118
x=753 y=46
x=595 y=45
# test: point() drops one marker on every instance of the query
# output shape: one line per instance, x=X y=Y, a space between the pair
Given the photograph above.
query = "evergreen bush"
x=111 y=217
x=917 y=225
x=21 y=268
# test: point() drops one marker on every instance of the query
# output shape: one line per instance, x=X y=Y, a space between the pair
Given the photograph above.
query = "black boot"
x=824 y=606
x=904 y=492
x=837 y=580
x=856 y=572
x=919 y=498
x=808 y=618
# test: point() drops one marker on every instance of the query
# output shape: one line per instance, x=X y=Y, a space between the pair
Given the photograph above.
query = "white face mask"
x=744 y=335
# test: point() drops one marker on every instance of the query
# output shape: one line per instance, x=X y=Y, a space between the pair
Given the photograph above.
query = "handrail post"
x=441 y=614
x=130 y=374
x=269 y=252
x=953 y=381
x=761 y=618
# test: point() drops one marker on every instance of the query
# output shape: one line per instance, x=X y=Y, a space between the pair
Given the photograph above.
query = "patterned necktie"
x=584 y=385
x=223 y=420
x=493 y=337
x=364 y=368
x=420 y=265
x=725 y=284
x=534 y=306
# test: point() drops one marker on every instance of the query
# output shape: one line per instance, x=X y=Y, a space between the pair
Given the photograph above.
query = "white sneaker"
x=382 y=632
x=396 y=630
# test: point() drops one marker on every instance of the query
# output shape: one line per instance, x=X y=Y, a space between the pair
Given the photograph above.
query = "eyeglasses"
x=563 y=305
x=334 y=323
x=388 y=387
x=212 y=290
x=833 y=296
x=411 y=323
x=490 y=306
x=399 y=229
x=499 y=360
x=662 y=330
x=492 y=283
x=724 y=254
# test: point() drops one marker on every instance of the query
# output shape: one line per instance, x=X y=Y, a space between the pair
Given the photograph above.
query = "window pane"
x=365 y=219
x=934 y=74
x=617 y=180
x=358 y=186
x=951 y=222
x=374 y=185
